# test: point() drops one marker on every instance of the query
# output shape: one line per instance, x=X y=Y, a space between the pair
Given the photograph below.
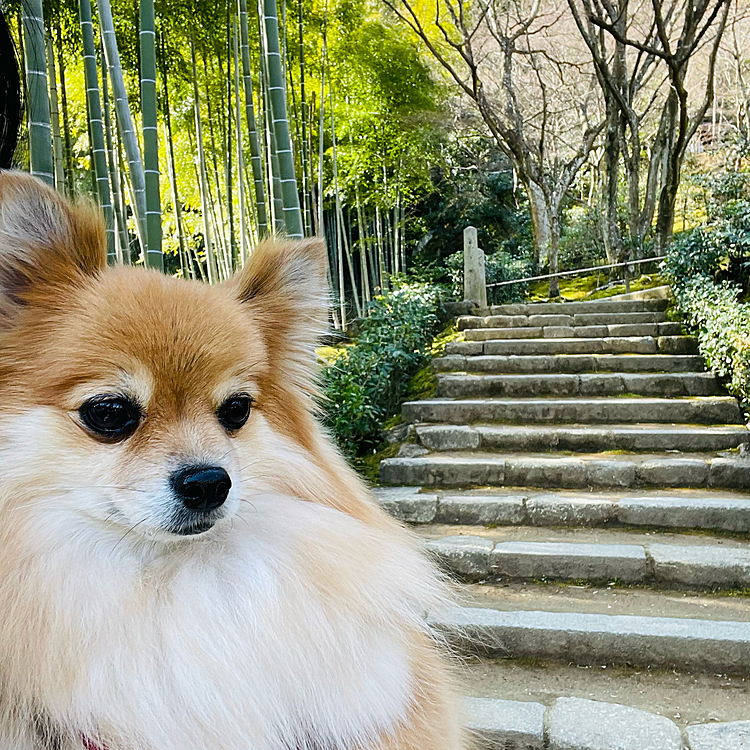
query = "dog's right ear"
x=46 y=243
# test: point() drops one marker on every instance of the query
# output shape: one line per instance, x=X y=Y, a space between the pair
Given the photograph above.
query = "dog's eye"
x=111 y=417
x=233 y=413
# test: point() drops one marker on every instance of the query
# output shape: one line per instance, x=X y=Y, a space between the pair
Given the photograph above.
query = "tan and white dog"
x=186 y=562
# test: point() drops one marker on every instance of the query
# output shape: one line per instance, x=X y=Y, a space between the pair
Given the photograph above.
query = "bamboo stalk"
x=96 y=126
x=277 y=96
x=232 y=254
x=306 y=197
x=40 y=130
x=123 y=240
x=128 y=135
x=57 y=150
x=362 y=247
x=154 y=255
x=240 y=154
x=256 y=160
x=66 y=119
x=203 y=178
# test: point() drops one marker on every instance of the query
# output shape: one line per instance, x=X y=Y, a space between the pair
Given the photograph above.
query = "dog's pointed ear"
x=46 y=243
x=283 y=285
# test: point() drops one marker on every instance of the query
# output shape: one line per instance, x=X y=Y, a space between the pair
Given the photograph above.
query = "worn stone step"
x=697 y=567
x=687 y=410
x=582 y=331
x=467 y=385
x=569 y=363
x=571 y=472
x=575 y=723
x=693 y=644
x=612 y=345
x=582 y=438
x=573 y=308
x=694 y=702
x=517 y=506
x=555 y=320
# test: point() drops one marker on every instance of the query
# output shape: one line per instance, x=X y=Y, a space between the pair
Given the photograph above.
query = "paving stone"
x=411 y=450
x=580 y=724
x=674 y=472
x=474 y=510
x=670 y=329
x=545 y=472
x=734 y=735
x=465 y=348
x=603 y=473
x=677 y=345
x=559 y=560
x=508 y=386
x=558 y=332
x=442 y=472
x=505 y=725
x=465 y=322
x=690 y=512
x=550 y=320
x=407 y=503
x=511 y=309
x=710 y=646
x=465 y=556
x=630 y=345
x=448 y=438
x=591 y=331
x=495 y=334
x=730 y=473
x=611 y=319
x=506 y=321
x=560 y=510
x=701 y=566
x=449 y=362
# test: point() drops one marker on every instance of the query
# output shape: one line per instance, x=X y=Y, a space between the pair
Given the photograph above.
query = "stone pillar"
x=475 y=284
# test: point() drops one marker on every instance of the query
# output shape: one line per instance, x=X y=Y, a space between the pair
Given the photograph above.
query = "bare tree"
x=669 y=34
x=534 y=93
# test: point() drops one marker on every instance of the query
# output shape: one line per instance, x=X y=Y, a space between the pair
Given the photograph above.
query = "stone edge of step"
x=541 y=508
x=706 y=646
x=697 y=567
x=579 y=724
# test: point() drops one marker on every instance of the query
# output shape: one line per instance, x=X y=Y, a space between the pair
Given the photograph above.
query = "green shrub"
x=722 y=325
x=364 y=385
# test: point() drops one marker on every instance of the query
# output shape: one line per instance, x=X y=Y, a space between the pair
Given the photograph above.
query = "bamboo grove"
x=206 y=129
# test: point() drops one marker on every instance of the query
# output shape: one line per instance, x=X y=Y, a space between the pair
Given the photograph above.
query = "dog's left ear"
x=46 y=242
x=284 y=287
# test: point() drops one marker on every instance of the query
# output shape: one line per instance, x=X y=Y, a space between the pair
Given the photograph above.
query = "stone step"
x=465 y=385
x=517 y=506
x=617 y=709
x=581 y=438
x=569 y=363
x=571 y=472
x=614 y=345
x=707 y=646
x=574 y=723
x=687 y=410
x=562 y=332
x=590 y=318
x=574 y=308
x=697 y=567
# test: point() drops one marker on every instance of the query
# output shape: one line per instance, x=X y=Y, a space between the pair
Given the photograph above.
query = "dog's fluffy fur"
x=297 y=622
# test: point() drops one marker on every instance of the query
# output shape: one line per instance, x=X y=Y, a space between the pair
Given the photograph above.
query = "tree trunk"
x=554 y=247
x=40 y=138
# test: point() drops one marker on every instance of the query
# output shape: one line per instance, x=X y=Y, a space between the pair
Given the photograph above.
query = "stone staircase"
x=585 y=480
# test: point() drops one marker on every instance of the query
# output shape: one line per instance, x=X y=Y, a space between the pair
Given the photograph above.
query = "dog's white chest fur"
x=287 y=631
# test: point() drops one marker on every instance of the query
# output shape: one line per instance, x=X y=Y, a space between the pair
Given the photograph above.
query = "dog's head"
x=135 y=400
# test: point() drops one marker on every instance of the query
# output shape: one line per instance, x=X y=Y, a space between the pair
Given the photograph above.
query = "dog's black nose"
x=201 y=488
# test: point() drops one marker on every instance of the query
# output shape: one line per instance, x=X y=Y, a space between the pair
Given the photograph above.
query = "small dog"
x=186 y=562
